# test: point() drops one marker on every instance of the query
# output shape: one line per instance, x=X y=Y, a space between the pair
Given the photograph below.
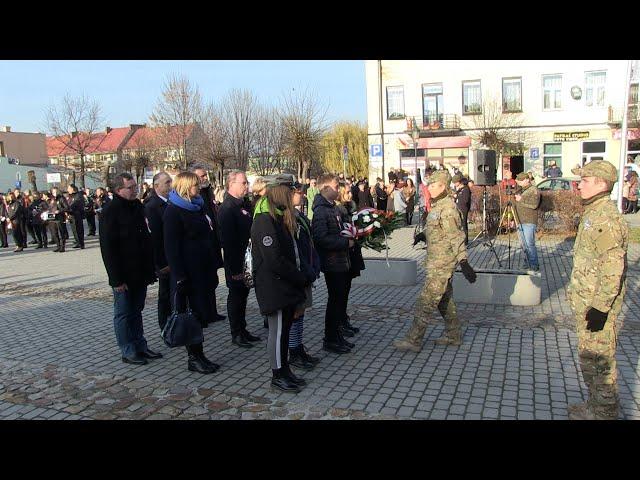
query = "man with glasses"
x=127 y=253
x=235 y=219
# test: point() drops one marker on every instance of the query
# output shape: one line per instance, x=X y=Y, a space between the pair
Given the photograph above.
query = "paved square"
x=59 y=359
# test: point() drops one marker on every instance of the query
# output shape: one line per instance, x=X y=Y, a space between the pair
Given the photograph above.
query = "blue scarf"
x=195 y=205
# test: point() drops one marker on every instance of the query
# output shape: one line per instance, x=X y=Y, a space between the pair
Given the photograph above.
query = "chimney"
x=7 y=129
x=107 y=130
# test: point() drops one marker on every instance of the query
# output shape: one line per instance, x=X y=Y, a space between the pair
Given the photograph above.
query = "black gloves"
x=419 y=238
x=596 y=320
x=182 y=287
x=467 y=271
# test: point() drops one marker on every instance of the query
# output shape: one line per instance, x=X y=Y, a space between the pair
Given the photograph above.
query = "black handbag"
x=182 y=329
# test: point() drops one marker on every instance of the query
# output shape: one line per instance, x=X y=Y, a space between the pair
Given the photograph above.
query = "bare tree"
x=176 y=112
x=76 y=123
x=304 y=123
x=498 y=130
x=238 y=110
x=268 y=142
x=215 y=149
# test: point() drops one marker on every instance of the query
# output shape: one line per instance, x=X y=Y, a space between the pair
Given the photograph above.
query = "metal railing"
x=441 y=121
x=633 y=115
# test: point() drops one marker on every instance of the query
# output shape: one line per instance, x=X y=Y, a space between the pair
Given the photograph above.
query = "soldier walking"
x=597 y=288
x=445 y=250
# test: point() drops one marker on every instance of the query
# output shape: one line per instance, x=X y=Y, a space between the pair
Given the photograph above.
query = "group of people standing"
x=45 y=216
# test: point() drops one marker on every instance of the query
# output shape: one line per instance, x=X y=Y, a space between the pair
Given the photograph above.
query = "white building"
x=566 y=111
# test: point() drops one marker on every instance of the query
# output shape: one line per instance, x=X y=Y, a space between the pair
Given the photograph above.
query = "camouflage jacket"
x=527 y=207
x=445 y=237
x=599 y=259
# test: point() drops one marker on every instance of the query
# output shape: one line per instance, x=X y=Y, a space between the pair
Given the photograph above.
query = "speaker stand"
x=483 y=237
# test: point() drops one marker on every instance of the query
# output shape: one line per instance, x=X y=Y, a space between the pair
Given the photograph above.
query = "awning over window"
x=436 y=142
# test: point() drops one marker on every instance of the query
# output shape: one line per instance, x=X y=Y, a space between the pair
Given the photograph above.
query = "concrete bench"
x=401 y=272
x=499 y=287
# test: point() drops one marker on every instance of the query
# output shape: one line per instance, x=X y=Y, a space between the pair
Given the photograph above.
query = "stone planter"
x=402 y=272
x=499 y=287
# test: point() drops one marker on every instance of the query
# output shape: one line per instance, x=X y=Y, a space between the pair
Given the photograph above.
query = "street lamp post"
x=415 y=134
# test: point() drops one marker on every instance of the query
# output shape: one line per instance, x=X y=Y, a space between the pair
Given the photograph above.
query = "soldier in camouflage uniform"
x=445 y=249
x=597 y=288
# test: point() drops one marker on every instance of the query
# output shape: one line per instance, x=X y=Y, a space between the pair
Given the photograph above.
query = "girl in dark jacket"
x=188 y=245
x=347 y=208
x=278 y=281
x=4 y=220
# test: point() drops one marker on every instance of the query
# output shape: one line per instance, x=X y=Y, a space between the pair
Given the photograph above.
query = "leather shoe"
x=197 y=364
x=148 y=353
x=287 y=373
x=250 y=338
x=136 y=359
x=297 y=359
x=345 y=342
x=284 y=384
x=218 y=318
x=346 y=332
x=76 y=246
x=240 y=341
x=335 y=347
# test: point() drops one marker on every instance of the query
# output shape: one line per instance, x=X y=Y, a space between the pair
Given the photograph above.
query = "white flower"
x=354 y=218
x=376 y=224
x=375 y=215
x=367 y=218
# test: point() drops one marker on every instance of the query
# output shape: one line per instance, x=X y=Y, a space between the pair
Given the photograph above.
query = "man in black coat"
x=127 y=253
x=334 y=261
x=211 y=211
x=90 y=211
x=154 y=207
x=16 y=216
x=364 y=198
x=76 y=214
x=462 y=195
x=235 y=221
x=381 y=195
x=60 y=208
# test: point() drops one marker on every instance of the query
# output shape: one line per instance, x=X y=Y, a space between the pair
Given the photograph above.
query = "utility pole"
x=381 y=116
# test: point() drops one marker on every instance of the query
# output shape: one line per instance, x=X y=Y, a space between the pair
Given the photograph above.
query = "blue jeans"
x=527 y=233
x=127 y=320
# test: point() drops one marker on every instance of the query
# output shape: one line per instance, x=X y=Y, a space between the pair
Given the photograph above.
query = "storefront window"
x=552 y=152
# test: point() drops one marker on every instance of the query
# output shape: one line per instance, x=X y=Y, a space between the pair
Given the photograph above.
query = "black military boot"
x=297 y=358
x=347 y=324
x=198 y=362
x=280 y=382
x=286 y=372
x=307 y=357
x=343 y=341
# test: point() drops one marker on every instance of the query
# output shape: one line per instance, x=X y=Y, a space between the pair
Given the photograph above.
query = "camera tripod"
x=510 y=210
x=483 y=237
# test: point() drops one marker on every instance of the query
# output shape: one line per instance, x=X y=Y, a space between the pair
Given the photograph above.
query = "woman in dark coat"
x=278 y=281
x=347 y=208
x=189 y=251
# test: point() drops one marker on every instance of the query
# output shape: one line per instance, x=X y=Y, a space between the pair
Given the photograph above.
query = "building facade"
x=537 y=111
x=23 y=148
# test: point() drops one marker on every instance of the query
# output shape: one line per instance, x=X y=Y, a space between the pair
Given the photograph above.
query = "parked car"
x=560 y=183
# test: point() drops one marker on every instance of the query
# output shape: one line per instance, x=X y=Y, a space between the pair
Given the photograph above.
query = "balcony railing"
x=633 y=116
x=441 y=121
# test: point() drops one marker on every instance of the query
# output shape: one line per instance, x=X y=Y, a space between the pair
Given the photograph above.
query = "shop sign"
x=569 y=136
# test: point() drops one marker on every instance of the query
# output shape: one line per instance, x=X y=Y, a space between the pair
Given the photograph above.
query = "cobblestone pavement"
x=59 y=359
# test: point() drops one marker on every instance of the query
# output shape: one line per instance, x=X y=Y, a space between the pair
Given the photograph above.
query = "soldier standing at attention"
x=596 y=289
x=445 y=250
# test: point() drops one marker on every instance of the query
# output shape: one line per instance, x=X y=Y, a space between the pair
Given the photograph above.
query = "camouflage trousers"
x=437 y=293
x=597 y=354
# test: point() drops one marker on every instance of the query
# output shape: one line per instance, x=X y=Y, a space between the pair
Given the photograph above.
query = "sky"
x=128 y=90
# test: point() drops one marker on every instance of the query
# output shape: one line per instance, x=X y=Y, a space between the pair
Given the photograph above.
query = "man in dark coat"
x=90 y=211
x=211 y=211
x=364 y=198
x=102 y=199
x=462 y=196
x=76 y=214
x=381 y=195
x=35 y=211
x=16 y=215
x=127 y=253
x=60 y=209
x=154 y=207
x=334 y=261
x=235 y=221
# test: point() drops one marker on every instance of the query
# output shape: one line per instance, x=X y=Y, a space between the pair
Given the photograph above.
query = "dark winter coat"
x=309 y=258
x=35 y=211
x=154 y=208
x=16 y=213
x=355 y=253
x=463 y=200
x=125 y=243
x=365 y=200
x=76 y=206
x=325 y=228
x=211 y=209
x=235 y=222
x=188 y=246
x=278 y=282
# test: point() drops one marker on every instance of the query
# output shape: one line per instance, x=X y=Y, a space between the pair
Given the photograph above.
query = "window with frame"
x=471 y=98
x=395 y=102
x=552 y=92
x=512 y=94
x=595 y=88
x=552 y=152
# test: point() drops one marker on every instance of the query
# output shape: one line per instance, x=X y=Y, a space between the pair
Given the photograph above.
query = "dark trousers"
x=77 y=227
x=164 y=300
x=337 y=287
x=3 y=235
x=31 y=228
x=54 y=232
x=236 y=309
x=465 y=226
x=382 y=205
x=18 y=238
x=278 y=341
x=91 y=221
x=23 y=232
x=64 y=233
x=37 y=233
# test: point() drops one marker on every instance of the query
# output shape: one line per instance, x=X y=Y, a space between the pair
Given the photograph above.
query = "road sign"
x=375 y=150
x=18 y=184
x=53 y=178
x=535 y=152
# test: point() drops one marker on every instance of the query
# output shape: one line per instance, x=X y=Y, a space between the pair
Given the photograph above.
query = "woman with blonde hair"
x=279 y=283
x=188 y=244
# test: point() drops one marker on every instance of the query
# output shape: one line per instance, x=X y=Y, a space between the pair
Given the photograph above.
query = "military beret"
x=440 y=176
x=598 y=168
x=457 y=178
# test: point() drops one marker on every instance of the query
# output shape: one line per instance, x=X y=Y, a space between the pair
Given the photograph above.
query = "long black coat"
x=277 y=280
x=154 y=208
x=188 y=246
x=325 y=229
x=235 y=222
x=125 y=243
x=211 y=209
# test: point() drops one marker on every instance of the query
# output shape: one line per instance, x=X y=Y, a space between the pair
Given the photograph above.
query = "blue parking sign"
x=535 y=152
x=375 y=150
